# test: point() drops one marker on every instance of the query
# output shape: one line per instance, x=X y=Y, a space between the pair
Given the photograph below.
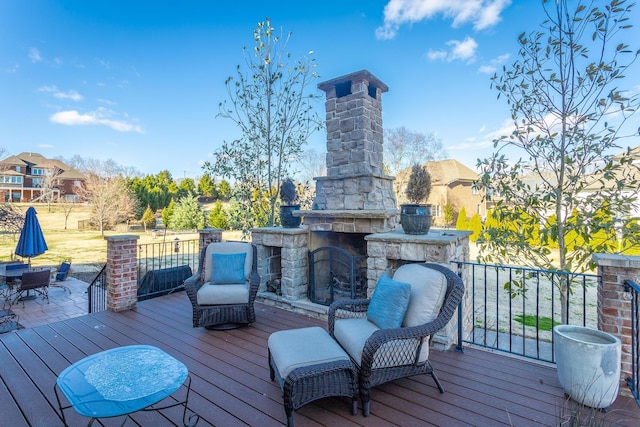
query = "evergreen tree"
x=187 y=215
x=475 y=225
x=462 y=222
x=148 y=219
x=218 y=217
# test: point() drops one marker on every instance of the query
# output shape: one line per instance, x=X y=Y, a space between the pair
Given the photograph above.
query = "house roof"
x=31 y=160
x=445 y=172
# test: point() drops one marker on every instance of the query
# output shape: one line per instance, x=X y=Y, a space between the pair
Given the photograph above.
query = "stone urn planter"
x=415 y=218
x=286 y=216
x=588 y=364
x=289 y=198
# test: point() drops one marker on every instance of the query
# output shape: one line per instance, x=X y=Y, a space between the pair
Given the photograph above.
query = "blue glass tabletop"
x=121 y=380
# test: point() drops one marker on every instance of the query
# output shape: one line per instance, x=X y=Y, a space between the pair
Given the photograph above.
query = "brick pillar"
x=122 y=264
x=614 y=311
x=208 y=235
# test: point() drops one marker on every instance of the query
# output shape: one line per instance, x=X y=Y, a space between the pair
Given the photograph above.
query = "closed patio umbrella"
x=31 y=242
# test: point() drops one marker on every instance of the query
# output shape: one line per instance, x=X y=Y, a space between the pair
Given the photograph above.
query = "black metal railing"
x=163 y=266
x=514 y=309
x=632 y=290
x=97 y=292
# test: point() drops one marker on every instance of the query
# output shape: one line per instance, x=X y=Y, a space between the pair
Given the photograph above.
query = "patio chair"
x=223 y=290
x=61 y=276
x=34 y=280
x=388 y=335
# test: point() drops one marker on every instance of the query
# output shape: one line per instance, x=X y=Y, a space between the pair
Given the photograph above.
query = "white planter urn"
x=588 y=364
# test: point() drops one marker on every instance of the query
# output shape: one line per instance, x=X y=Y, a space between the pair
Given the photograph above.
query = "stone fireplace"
x=354 y=210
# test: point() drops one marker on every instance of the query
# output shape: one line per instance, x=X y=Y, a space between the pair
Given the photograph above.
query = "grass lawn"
x=79 y=246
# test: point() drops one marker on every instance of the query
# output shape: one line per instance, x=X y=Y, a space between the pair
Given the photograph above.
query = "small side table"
x=122 y=381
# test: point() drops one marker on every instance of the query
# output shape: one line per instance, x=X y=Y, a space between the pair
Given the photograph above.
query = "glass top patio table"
x=121 y=381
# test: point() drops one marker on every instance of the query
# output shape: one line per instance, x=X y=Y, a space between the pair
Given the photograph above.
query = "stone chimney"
x=355 y=196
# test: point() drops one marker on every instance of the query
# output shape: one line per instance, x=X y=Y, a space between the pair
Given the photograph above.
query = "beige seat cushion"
x=210 y=294
x=296 y=348
x=352 y=334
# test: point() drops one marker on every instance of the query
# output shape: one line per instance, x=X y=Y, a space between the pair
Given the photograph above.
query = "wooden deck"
x=231 y=385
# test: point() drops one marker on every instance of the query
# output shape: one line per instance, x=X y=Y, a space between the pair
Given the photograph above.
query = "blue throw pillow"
x=228 y=268
x=389 y=303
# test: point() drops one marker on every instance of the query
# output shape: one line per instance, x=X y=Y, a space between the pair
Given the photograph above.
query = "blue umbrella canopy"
x=31 y=242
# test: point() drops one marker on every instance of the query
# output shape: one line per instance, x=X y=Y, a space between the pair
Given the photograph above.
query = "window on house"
x=37 y=182
x=479 y=209
x=474 y=190
x=37 y=171
x=437 y=211
x=77 y=184
x=18 y=169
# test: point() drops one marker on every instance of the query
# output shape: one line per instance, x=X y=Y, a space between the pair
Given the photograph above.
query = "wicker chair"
x=383 y=355
x=223 y=306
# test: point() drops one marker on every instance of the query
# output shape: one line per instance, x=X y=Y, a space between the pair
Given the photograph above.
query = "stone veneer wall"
x=388 y=251
x=291 y=245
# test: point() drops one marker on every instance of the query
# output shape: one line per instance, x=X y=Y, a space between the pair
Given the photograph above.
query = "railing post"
x=208 y=235
x=614 y=310
x=122 y=263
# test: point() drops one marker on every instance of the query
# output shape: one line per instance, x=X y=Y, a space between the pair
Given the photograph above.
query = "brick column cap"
x=208 y=230
x=615 y=260
x=122 y=237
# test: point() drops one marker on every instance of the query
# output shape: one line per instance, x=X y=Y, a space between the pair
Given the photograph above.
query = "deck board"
x=231 y=385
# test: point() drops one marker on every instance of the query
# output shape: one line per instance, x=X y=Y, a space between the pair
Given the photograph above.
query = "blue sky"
x=139 y=82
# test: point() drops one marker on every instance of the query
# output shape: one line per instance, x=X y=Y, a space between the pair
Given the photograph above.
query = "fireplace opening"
x=336 y=274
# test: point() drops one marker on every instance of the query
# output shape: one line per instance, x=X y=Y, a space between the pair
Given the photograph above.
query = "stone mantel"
x=344 y=213
x=362 y=221
x=434 y=236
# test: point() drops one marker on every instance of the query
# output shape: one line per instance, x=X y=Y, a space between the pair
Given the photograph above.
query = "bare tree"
x=568 y=111
x=11 y=220
x=404 y=148
x=50 y=185
x=108 y=195
x=271 y=103
x=67 y=206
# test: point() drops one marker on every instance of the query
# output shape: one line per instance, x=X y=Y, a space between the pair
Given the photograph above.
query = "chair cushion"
x=296 y=348
x=228 y=268
x=352 y=334
x=428 y=289
x=227 y=248
x=210 y=294
x=389 y=303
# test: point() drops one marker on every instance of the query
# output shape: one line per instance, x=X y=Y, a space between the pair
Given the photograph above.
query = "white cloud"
x=463 y=50
x=435 y=55
x=100 y=117
x=45 y=146
x=487 y=69
x=493 y=64
x=481 y=13
x=34 y=55
x=70 y=94
x=13 y=69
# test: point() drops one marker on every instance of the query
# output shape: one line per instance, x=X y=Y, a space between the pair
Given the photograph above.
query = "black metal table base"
x=189 y=417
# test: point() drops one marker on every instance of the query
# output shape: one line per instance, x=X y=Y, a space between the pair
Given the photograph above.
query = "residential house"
x=451 y=183
x=31 y=177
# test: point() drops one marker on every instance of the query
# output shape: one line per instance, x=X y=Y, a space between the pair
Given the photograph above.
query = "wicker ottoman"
x=309 y=364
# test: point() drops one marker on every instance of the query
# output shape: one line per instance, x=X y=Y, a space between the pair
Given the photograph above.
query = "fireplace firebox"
x=336 y=274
